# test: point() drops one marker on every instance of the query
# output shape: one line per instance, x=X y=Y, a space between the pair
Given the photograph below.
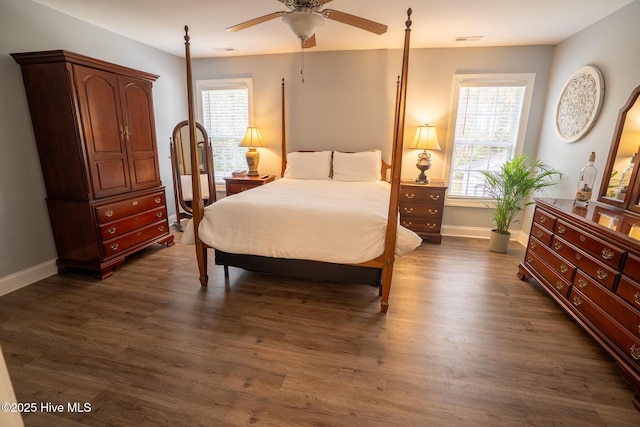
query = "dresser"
x=95 y=132
x=421 y=207
x=239 y=184
x=588 y=260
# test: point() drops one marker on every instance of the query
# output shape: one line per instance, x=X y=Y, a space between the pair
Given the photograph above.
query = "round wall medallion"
x=579 y=104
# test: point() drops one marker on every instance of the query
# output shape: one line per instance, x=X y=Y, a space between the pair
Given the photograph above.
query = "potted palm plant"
x=511 y=188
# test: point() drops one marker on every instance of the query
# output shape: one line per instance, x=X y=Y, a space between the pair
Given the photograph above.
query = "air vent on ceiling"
x=469 y=38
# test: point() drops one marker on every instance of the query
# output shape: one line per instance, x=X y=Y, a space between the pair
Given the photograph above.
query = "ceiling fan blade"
x=255 y=21
x=355 y=21
x=310 y=42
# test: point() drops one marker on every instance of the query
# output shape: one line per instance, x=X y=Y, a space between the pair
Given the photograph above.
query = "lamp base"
x=423 y=164
x=253 y=157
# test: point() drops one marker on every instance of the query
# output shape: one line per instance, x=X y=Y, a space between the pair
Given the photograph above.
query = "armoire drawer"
x=124 y=225
x=117 y=210
x=599 y=249
x=585 y=262
x=134 y=238
x=623 y=339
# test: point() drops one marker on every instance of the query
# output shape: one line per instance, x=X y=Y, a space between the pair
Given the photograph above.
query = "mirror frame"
x=630 y=201
x=183 y=207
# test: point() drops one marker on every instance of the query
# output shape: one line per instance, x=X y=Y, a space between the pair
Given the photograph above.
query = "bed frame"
x=378 y=270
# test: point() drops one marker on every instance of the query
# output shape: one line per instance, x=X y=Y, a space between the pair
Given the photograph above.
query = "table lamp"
x=426 y=139
x=252 y=140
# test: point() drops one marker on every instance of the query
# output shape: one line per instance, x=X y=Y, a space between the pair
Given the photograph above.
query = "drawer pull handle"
x=582 y=283
x=564 y=268
x=583 y=237
x=539 y=234
x=111 y=230
x=577 y=301
x=409 y=196
x=607 y=253
x=529 y=259
x=408 y=210
x=108 y=213
x=602 y=275
x=559 y=285
x=542 y=219
x=635 y=352
x=533 y=245
x=115 y=246
x=578 y=256
x=562 y=229
x=637 y=298
x=134 y=203
x=406 y=223
x=432 y=226
x=161 y=228
x=433 y=211
x=435 y=197
x=557 y=246
x=157 y=199
x=159 y=214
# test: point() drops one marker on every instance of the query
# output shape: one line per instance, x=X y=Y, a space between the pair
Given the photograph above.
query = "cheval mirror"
x=621 y=184
x=181 y=167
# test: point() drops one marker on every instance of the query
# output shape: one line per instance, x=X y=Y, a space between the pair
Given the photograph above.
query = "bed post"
x=283 y=155
x=396 y=169
x=197 y=202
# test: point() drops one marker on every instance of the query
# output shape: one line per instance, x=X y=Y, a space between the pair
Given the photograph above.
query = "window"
x=490 y=122
x=224 y=109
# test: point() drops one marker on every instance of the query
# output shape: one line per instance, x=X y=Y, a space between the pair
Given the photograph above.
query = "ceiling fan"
x=304 y=17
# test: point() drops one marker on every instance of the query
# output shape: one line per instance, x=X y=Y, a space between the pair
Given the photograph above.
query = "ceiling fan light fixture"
x=303 y=23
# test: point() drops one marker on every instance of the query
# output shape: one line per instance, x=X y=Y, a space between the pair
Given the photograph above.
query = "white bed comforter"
x=324 y=220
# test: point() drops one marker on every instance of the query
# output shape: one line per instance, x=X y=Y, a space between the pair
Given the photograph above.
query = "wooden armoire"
x=94 y=127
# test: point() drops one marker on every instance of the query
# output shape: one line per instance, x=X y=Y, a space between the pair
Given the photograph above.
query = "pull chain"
x=302 y=61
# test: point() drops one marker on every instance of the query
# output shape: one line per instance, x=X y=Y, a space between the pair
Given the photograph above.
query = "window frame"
x=503 y=79
x=221 y=84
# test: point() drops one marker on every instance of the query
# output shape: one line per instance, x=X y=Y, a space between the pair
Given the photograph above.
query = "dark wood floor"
x=465 y=343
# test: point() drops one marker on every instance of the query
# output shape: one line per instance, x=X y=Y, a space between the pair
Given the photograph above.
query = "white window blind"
x=224 y=111
x=487 y=132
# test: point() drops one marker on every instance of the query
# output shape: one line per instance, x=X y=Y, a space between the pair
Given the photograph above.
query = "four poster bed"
x=332 y=215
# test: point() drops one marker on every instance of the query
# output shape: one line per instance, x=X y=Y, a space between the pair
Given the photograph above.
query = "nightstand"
x=243 y=183
x=421 y=207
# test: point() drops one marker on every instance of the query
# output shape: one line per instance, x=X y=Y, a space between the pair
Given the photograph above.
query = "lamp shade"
x=426 y=139
x=252 y=138
x=303 y=23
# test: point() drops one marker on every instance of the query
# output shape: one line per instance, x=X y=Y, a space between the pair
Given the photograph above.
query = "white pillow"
x=363 y=166
x=308 y=165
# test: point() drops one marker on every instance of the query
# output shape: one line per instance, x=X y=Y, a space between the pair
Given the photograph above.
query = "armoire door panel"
x=103 y=130
x=136 y=96
x=110 y=176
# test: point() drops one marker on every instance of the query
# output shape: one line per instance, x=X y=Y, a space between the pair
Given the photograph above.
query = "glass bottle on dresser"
x=586 y=181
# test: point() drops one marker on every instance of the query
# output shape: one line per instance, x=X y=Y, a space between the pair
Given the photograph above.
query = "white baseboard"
x=28 y=276
x=480 y=233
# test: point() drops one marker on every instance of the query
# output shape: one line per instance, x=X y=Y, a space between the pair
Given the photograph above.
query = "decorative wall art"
x=579 y=104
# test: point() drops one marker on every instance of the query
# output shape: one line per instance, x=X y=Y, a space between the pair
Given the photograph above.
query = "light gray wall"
x=347 y=101
x=612 y=45
x=25 y=26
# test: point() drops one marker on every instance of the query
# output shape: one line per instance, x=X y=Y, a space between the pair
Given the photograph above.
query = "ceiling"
x=436 y=23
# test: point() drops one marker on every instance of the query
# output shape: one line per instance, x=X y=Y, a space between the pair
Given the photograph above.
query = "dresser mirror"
x=622 y=186
x=182 y=174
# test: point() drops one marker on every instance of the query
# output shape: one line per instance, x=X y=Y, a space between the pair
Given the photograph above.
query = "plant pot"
x=499 y=242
